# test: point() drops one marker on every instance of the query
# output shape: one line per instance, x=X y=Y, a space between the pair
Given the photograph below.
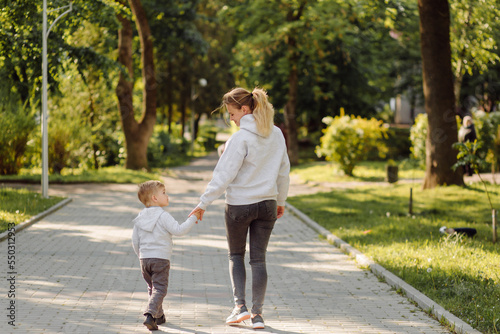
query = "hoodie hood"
x=247 y=122
x=148 y=217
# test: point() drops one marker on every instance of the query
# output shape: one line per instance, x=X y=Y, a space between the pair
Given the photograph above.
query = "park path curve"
x=76 y=272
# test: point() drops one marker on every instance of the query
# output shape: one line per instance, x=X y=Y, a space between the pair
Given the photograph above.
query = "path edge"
x=34 y=219
x=428 y=305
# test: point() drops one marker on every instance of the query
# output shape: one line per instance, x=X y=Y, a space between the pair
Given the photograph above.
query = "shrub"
x=348 y=140
x=165 y=148
x=60 y=135
x=418 y=136
x=16 y=128
x=487 y=130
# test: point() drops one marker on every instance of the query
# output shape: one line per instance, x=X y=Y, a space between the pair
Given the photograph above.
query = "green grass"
x=19 y=205
x=114 y=174
x=461 y=274
x=321 y=171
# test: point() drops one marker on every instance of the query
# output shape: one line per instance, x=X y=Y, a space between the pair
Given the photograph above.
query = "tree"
x=473 y=40
x=438 y=92
x=137 y=134
x=280 y=46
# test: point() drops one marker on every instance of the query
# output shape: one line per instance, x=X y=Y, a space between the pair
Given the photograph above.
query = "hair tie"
x=251 y=95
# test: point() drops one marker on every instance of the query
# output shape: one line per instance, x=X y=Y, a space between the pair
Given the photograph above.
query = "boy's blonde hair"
x=147 y=189
x=258 y=103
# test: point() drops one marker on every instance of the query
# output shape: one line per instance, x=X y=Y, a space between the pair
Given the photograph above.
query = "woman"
x=467 y=133
x=254 y=171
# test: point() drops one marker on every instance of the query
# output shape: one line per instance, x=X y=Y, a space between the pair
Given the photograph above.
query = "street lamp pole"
x=45 y=128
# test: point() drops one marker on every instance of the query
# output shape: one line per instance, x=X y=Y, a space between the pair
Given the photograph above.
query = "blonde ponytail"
x=263 y=112
x=258 y=103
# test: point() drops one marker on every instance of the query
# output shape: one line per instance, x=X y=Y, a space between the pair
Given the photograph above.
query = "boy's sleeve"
x=174 y=228
x=135 y=240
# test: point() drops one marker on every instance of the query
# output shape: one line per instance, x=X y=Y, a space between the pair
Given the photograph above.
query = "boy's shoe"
x=150 y=322
x=258 y=322
x=238 y=315
x=160 y=320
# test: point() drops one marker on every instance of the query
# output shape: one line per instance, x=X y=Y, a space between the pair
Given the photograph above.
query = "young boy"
x=152 y=241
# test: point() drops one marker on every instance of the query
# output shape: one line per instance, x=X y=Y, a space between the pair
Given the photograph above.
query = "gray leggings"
x=259 y=219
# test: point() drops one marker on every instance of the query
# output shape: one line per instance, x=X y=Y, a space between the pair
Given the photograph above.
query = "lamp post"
x=202 y=82
x=45 y=128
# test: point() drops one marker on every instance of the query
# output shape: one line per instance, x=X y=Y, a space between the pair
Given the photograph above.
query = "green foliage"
x=468 y=155
x=348 y=140
x=16 y=128
x=114 y=174
x=460 y=274
x=473 y=40
x=418 y=137
x=487 y=129
x=165 y=149
x=19 y=205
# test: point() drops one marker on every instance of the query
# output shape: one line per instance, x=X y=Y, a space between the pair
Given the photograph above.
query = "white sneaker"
x=238 y=315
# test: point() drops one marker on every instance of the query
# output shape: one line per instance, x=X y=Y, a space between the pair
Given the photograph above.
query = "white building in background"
x=402 y=110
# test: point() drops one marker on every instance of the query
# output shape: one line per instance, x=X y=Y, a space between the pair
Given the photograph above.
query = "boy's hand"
x=198 y=213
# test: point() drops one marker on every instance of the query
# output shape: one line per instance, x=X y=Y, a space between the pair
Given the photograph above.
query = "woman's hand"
x=281 y=211
x=198 y=212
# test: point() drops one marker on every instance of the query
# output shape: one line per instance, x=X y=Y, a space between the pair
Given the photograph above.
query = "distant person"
x=152 y=242
x=253 y=170
x=467 y=133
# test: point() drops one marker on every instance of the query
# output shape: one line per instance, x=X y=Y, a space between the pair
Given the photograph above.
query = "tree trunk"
x=137 y=134
x=293 y=85
x=439 y=96
x=290 y=117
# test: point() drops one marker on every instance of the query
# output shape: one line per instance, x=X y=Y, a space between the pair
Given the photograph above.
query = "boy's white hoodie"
x=253 y=168
x=153 y=230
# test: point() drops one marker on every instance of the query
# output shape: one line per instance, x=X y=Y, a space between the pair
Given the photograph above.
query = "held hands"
x=198 y=213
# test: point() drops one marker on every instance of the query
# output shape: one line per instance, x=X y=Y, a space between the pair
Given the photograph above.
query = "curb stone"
x=456 y=324
x=32 y=220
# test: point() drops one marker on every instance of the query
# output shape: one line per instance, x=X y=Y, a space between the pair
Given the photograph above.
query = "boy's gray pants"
x=155 y=272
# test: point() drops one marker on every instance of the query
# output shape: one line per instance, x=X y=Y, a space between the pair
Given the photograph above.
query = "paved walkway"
x=77 y=273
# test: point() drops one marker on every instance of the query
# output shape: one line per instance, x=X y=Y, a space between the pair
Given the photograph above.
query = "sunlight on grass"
x=114 y=174
x=19 y=205
x=321 y=171
x=452 y=270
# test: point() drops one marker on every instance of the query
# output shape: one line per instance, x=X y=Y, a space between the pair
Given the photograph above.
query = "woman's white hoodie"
x=253 y=168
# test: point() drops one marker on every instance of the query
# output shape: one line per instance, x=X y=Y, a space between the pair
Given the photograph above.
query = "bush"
x=418 y=136
x=60 y=135
x=165 y=148
x=487 y=130
x=349 y=140
x=16 y=128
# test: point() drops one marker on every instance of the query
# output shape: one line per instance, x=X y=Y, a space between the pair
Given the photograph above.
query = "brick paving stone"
x=77 y=273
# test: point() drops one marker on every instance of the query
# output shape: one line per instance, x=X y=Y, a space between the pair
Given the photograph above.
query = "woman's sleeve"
x=224 y=173
x=283 y=181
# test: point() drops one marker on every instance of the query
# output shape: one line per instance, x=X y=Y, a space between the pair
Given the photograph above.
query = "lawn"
x=19 y=205
x=114 y=174
x=459 y=273
x=322 y=171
